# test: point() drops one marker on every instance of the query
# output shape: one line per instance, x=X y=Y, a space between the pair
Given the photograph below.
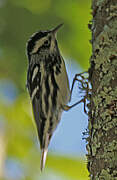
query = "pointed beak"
x=55 y=30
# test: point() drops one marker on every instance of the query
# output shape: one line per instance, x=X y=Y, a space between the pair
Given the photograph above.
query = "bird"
x=48 y=85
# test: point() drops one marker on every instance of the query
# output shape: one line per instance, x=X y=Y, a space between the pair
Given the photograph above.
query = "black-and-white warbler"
x=48 y=85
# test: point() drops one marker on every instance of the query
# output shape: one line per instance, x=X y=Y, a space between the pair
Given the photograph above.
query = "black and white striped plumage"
x=47 y=83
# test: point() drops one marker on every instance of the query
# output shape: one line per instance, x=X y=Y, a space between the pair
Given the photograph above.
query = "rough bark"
x=102 y=140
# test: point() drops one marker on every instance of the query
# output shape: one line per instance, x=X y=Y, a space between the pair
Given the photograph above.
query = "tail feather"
x=43 y=158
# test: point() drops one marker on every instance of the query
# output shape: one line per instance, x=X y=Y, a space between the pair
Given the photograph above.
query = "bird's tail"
x=43 y=158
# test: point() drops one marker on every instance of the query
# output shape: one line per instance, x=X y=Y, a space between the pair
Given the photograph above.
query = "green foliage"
x=18 y=20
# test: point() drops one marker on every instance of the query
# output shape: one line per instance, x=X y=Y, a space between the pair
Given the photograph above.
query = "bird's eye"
x=46 y=42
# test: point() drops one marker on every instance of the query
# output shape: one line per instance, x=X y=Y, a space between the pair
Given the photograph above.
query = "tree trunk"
x=102 y=140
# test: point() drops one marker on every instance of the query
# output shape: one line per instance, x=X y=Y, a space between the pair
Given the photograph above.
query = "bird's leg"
x=67 y=108
x=84 y=87
x=74 y=80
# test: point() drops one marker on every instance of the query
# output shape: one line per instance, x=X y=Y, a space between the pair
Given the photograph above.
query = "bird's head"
x=43 y=42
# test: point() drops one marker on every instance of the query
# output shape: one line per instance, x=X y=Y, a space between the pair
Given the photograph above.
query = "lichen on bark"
x=102 y=140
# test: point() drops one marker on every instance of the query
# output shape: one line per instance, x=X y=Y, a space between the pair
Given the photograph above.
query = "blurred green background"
x=19 y=149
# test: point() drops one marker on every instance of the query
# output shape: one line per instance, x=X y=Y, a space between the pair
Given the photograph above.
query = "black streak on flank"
x=58 y=70
x=47 y=87
x=33 y=39
x=58 y=65
x=51 y=125
x=55 y=89
x=42 y=125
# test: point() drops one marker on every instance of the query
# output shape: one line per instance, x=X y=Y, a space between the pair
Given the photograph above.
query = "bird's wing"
x=34 y=88
x=34 y=80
